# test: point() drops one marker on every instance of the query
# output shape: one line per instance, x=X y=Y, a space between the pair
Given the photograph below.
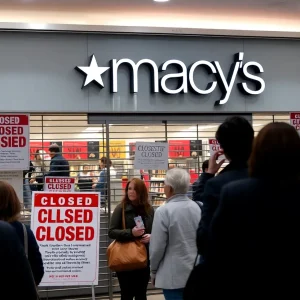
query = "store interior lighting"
x=93 y=129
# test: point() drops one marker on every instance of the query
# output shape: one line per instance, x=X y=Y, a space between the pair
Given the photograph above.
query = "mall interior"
x=45 y=45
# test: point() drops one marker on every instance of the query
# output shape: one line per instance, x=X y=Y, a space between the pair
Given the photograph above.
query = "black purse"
x=197 y=285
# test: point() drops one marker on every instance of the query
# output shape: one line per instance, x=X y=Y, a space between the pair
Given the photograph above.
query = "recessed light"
x=161 y=0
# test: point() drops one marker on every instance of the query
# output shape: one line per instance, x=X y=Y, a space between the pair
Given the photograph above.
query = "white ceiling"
x=274 y=15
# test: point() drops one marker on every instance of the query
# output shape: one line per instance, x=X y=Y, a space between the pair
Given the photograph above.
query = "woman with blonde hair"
x=10 y=208
x=133 y=283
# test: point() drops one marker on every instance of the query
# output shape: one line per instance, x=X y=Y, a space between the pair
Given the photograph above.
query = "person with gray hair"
x=173 y=248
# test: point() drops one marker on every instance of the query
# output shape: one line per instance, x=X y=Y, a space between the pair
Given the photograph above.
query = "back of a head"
x=10 y=206
x=179 y=180
x=106 y=161
x=236 y=136
x=275 y=143
x=54 y=148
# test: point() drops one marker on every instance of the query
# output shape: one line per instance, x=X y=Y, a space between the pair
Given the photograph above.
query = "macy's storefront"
x=97 y=95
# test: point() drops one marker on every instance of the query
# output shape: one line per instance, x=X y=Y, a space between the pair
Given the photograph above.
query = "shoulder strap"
x=123 y=216
x=26 y=252
x=25 y=240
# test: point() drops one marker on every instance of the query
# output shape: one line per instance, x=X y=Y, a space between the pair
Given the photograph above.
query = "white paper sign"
x=14 y=142
x=67 y=227
x=14 y=178
x=214 y=147
x=59 y=184
x=151 y=156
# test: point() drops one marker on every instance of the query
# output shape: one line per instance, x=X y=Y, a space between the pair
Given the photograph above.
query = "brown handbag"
x=126 y=256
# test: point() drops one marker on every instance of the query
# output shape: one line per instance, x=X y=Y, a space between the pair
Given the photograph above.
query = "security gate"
x=84 y=139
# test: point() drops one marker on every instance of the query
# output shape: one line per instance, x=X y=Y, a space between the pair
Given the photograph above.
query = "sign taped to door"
x=59 y=184
x=67 y=227
x=151 y=156
x=14 y=142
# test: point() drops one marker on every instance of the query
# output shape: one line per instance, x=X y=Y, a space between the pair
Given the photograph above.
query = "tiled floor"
x=157 y=297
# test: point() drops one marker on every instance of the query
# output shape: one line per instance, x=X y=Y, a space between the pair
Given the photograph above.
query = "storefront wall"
x=38 y=76
x=38 y=73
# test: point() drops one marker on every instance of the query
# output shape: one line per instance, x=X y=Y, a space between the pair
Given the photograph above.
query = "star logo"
x=92 y=73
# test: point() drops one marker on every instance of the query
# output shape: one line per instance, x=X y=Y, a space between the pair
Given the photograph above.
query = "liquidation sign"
x=151 y=156
x=59 y=184
x=66 y=227
x=14 y=142
x=295 y=120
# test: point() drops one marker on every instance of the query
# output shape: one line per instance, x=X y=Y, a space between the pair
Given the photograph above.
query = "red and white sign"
x=67 y=227
x=295 y=120
x=14 y=142
x=59 y=184
x=214 y=147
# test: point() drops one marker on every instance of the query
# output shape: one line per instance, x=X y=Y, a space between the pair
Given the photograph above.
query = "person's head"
x=172 y=166
x=177 y=181
x=235 y=137
x=136 y=193
x=86 y=168
x=205 y=166
x=37 y=155
x=10 y=206
x=105 y=162
x=53 y=150
x=276 y=142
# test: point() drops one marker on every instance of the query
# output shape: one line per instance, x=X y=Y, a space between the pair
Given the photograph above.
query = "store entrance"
x=84 y=139
x=187 y=135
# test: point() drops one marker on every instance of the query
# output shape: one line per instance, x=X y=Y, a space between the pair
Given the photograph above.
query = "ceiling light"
x=160 y=0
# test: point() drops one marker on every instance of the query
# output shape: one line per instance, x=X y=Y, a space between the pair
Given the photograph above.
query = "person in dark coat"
x=235 y=137
x=199 y=183
x=10 y=209
x=253 y=241
x=59 y=166
x=16 y=281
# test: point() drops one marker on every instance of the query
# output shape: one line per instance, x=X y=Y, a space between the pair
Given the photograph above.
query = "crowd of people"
x=55 y=164
x=242 y=222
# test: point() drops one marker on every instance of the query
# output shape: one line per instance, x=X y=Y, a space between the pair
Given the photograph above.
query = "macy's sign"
x=248 y=72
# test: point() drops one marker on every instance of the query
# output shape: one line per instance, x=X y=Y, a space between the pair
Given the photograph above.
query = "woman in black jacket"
x=16 y=280
x=254 y=247
x=10 y=209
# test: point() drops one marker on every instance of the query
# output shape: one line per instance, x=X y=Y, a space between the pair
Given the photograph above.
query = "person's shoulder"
x=16 y=225
x=151 y=210
x=6 y=228
x=161 y=209
x=226 y=177
x=119 y=207
x=243 y=187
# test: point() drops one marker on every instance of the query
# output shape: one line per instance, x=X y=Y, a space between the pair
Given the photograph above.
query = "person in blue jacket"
x=101 y=185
